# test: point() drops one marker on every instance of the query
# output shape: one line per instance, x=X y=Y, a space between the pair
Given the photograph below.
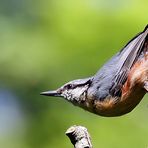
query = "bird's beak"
x=53 y=93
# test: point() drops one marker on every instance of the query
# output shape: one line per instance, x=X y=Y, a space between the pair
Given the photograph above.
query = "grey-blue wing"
x=127 y=57
x=111 y=77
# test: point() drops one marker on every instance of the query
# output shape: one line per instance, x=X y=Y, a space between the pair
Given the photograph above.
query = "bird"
x=118 y=86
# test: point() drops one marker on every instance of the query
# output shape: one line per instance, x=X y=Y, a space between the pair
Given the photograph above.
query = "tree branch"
x=79 y=137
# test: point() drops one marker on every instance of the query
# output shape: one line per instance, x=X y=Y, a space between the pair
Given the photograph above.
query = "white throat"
x=76 y=94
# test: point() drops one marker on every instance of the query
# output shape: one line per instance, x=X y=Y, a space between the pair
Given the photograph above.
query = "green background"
x=45 y=43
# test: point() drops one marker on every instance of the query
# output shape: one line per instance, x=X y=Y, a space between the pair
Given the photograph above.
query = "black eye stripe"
x=72 y=86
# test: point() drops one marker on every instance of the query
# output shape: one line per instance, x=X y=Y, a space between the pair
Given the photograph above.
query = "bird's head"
x=73 y=91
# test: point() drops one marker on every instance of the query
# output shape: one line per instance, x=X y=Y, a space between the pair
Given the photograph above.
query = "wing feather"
x=128 y=56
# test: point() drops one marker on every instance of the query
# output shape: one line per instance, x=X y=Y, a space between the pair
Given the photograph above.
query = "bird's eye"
x=69 y=86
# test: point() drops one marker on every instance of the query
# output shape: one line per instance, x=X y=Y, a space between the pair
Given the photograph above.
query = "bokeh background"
x=44 y=44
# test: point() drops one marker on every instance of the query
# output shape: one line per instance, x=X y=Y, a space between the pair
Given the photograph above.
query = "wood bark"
x=79 y=137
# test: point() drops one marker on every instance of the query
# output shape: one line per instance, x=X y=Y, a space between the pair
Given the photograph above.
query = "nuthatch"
x=117 y=87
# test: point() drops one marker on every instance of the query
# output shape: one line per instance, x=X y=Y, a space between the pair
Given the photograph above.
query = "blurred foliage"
x=46 y=43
